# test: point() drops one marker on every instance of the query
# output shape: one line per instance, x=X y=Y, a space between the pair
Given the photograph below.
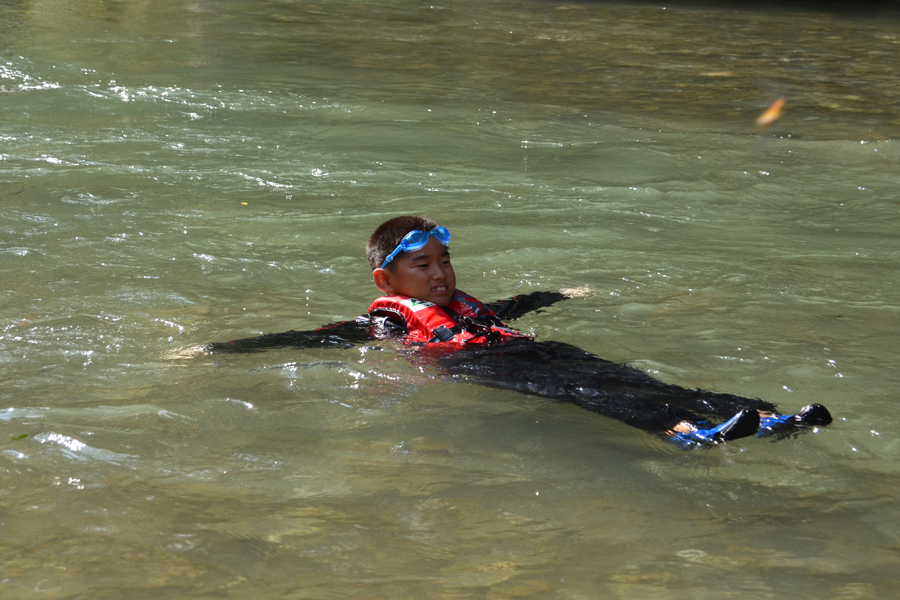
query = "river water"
x=177 y=172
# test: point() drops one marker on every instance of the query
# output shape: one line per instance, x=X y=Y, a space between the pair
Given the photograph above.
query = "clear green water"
x=175 y=172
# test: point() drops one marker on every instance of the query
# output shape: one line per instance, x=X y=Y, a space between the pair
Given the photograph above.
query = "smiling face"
x=423 y=274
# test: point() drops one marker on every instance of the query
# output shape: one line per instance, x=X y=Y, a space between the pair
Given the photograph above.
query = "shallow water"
x=180 y=172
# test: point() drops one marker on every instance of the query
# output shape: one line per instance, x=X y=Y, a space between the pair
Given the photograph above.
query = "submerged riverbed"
x=178 y=172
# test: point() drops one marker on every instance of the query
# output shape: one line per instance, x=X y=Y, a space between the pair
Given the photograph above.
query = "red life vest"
x=466 y=320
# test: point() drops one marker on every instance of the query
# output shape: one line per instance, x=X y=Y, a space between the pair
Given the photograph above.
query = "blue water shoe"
x=745 y=422
x=808 y=416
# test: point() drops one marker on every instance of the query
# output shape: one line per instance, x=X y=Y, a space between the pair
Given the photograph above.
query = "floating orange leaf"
x=771 y=115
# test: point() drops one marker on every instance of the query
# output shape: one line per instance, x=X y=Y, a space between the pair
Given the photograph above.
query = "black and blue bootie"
x=808 y=416
x=745 y=422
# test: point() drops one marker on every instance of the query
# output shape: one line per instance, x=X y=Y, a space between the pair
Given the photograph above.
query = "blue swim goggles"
x=416 y=239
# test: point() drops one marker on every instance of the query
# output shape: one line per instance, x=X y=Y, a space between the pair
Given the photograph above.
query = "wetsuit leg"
x=566 y=373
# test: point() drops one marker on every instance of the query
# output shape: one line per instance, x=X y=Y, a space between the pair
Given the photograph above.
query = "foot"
x=814 y=414
x=745 y=422
x=808 y=416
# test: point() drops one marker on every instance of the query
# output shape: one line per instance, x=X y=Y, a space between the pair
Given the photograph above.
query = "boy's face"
x=424 y=274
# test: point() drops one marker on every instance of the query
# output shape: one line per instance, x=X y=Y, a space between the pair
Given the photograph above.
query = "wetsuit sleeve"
x=515 y=307
x=345 y=334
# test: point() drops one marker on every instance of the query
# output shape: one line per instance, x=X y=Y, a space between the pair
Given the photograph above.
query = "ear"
x=382 y=278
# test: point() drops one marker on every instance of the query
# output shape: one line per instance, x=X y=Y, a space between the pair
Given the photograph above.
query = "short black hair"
x=389 y=234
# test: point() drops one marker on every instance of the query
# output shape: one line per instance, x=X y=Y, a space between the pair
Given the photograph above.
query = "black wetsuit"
x=547 y=369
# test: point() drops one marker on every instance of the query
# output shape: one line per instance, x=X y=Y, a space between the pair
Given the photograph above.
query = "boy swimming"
x=466 y=340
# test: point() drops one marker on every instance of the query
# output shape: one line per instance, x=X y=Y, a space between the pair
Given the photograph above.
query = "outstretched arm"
x=347 y=334
x=337 y=335
x=515 y=307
